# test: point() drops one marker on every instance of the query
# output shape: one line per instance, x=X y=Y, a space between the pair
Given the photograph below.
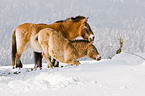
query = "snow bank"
x=123 y=75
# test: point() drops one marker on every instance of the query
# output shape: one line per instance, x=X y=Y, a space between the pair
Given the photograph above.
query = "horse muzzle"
x=91 y=38
x=98 y=58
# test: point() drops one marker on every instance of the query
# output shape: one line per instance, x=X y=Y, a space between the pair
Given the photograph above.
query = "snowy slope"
x=124 y=75
x=108 y=19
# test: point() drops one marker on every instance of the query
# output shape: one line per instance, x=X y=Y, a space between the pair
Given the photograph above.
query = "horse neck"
x=42 y=26
x=72 y=29
x=67 y=30
x=81 y=48
x=59 y=27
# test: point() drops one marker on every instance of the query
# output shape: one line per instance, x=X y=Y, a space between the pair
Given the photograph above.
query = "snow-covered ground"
x=108 y=19
x=124 y=75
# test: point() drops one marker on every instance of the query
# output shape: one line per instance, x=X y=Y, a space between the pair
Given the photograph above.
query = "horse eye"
x=85 y=27
x=94 y=49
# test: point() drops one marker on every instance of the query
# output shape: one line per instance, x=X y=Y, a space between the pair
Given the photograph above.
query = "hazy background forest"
x=108 y=19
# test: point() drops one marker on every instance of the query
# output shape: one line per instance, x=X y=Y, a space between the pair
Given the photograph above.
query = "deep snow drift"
x=124 y=75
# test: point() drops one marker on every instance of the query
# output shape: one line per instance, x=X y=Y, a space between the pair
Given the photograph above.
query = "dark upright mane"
x=72 y=41
x=42 y=24
x=75 y=19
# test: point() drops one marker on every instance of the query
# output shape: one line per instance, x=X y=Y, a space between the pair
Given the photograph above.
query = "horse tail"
x=14 y=48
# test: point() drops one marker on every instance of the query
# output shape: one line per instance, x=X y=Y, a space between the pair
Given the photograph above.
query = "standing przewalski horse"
x=55 y=45
x=23 y=36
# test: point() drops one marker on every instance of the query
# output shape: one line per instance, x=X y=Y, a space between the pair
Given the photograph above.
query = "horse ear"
x=87 y=19
x=84 y=20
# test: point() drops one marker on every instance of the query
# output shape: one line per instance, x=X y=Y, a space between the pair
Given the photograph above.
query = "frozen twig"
x=136 y=55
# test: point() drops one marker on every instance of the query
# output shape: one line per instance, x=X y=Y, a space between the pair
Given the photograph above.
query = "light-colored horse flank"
x=55 y=45
x=24 y=35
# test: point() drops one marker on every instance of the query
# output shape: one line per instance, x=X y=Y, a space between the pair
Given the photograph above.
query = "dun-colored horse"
x=55 y=45
x=24 y=35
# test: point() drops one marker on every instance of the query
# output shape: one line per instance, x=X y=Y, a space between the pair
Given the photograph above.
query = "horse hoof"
x=19 y=65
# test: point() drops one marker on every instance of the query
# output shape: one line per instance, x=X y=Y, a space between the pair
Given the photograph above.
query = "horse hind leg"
x=18 y=61
x=20 y=50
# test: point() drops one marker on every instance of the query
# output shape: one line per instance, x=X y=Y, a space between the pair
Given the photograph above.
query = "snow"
x=123 y=75
x=108 y=20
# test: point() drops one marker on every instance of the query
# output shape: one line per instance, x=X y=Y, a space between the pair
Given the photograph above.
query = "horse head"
x=85 y=30
x=77 y=26
x=93 y=53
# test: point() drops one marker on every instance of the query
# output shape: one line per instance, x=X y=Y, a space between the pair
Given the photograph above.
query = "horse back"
x=27 y=28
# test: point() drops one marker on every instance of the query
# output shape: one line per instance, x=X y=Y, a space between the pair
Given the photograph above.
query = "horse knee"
x=73 y=62
x=76 y=62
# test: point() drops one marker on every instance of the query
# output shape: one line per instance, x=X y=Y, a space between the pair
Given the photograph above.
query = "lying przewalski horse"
x=24 y=35
x=55 y=45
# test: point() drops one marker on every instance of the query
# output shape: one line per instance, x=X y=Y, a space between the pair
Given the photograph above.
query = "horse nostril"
x=93 y=38
x=98 y=59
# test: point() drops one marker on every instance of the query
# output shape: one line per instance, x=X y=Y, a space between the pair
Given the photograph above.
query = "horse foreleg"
x=72 y=62
x=54 y=62
x=46 y=57
x=38 y=59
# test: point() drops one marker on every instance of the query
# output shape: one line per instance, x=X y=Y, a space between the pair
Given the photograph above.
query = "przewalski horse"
x=23 y=36
x=55 y=45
